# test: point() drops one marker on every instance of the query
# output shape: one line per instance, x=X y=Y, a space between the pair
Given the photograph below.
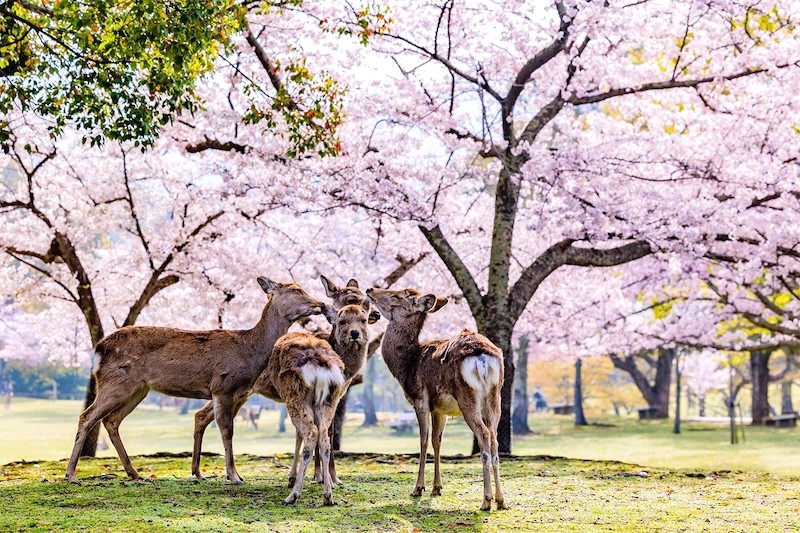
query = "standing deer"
x=311 y=377
x=219 y=364
x=350 y=294
x=459 y=376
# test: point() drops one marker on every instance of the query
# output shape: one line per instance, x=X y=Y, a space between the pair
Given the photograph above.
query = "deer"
x=451 y=377
x=220 y=365
x=349 y=294
x=311 y=375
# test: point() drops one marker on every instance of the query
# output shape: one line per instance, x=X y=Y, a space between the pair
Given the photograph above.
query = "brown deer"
x=350 y=294
x=219 y=364
x=310 y=376
x=459 y=376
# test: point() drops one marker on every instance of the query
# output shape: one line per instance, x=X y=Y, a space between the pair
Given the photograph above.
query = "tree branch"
x=456 y=266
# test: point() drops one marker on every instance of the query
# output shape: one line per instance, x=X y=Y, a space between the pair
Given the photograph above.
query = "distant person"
x=540 y=403
x=8 y=393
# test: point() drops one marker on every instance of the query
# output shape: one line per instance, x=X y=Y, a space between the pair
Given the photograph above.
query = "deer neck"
x=354 y=356
x=400 y=345
x=271 y=326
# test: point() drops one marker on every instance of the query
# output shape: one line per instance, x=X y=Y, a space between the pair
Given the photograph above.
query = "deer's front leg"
x=423 y=418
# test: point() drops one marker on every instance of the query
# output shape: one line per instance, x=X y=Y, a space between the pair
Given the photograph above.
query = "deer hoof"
x=437 y=491
x=418 y=492
x=337 y=481
x=73 y=480
x=501 y=505
x=487 y=504
x=200 y=477
x=327 y=500
x=290 y=499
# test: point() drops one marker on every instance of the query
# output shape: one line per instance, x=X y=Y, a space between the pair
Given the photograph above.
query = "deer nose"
x=354 y=334
x=369 y=290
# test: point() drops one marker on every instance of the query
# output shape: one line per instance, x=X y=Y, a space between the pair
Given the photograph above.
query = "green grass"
x=692 y=482
x=45 y=430
x=544 y=495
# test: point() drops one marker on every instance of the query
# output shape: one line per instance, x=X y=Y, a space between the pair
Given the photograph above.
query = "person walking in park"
x=540 y=403
x=8 y=393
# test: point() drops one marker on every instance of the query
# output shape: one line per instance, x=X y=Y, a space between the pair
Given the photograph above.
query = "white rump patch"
x=320 y=378
x=481 y=372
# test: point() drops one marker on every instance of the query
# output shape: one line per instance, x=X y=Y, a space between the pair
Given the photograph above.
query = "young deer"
x=219 y=364
x=340 y=297
x=459 y=376
x=311 y=377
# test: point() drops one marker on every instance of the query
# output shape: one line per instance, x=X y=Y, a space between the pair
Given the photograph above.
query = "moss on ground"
x=545 y=494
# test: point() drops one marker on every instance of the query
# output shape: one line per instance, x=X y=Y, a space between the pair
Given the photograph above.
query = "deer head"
x=290 y=300
x=350 y=294
x=404 y=303
x=349 y=323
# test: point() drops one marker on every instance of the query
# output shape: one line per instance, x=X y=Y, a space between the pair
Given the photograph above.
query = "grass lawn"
x=45 y=430
x=690 y=482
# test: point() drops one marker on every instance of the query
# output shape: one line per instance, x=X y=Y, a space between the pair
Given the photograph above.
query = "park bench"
x=403 y=423
x=788 y=420
x=563 y=409
x=647 y=413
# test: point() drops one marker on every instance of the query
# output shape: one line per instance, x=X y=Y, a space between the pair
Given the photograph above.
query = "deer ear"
x=267 y=285
x=330 y=313
x=330 y=288
x=352 y=283
x=425 y=303
x=440 y=302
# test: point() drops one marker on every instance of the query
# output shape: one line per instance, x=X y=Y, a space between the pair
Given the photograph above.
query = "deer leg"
x=223 y=414
x=112 y=422
x=423 y=418
x=298 y=443
x=493 y=416
x=475 y=422
x=303 y=419
x=438 y=422
x=88 y=419
x=334 y=478
x=326 y=414
x=202 y=419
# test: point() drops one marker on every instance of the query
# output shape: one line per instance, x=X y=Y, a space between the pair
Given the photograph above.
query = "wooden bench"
x=782 y=421
x=563 y=409
x=403 y=423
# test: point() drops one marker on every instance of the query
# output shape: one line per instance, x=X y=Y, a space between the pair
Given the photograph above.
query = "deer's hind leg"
x=325 y=415
x=303 y=419
x=107 y=400
x=474 y=420
x=112 y=422
x=492 y=419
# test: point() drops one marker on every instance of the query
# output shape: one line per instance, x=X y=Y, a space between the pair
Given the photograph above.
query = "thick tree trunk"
x=519 y=417
x=370 y=416
x=759 y=373
x=580 y=418
x=702 y=402
x=786 y=398
x=656 y=394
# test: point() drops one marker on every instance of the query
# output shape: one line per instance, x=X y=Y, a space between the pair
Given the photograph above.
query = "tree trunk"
x=338 y=422
x=786 y=398
x=370 y=417
x=759 y=373
x=519 y=417
x=677 y=426
x=282 y=418
x=656 y=394
x=580 y=418
x=702 y=402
